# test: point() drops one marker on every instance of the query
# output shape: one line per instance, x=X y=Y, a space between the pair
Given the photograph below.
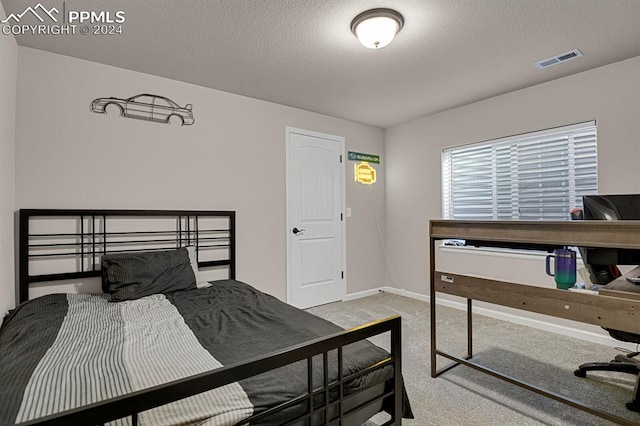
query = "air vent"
x=559 y=59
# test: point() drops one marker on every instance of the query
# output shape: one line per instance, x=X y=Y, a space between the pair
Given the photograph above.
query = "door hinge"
x=341 y=158
x=342 y=274
x=341 y=216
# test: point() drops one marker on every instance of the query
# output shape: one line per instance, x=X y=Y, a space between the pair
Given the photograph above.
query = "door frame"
x=343 y=200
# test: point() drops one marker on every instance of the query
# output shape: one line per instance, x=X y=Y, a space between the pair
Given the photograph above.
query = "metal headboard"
x=97 y=232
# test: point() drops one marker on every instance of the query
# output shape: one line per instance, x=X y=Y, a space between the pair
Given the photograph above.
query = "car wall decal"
x=145 y=107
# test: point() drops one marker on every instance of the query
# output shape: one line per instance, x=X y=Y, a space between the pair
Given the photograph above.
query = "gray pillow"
x=129 y=276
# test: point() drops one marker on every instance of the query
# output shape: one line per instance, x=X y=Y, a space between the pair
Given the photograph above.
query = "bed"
x=164 y=344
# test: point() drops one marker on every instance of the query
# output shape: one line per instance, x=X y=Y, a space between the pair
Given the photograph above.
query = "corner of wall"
x=8 y=100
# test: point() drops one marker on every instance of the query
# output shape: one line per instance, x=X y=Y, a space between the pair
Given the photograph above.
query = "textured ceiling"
x=302 y=53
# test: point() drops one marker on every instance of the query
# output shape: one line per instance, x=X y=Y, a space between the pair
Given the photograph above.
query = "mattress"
x=67 y=350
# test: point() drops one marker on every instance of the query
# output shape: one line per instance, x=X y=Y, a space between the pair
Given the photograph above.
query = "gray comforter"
x=62 y=351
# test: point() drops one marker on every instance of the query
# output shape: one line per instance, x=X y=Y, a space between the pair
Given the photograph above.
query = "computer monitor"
x=612 y=207
x=601 y=261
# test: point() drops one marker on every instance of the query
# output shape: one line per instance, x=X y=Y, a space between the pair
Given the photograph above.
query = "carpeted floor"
x=464 y=396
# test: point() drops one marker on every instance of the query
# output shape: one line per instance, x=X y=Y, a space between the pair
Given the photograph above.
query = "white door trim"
x=343 y=200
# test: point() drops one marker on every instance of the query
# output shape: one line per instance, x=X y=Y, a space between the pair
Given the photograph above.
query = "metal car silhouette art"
x=145 y=107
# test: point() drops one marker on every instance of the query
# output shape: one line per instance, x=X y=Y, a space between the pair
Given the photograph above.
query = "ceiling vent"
x=564 y=57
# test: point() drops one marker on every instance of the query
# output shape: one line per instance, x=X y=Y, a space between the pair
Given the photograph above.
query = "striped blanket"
x=63 y=351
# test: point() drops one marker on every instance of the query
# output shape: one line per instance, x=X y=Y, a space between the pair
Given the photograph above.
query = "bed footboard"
x=132 y=404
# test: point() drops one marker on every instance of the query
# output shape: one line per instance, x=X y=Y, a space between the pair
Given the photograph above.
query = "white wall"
x=8 y=70
x=610 y=95
x=233 y=158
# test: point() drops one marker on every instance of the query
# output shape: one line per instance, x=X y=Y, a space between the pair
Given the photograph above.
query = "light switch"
x=348 y=211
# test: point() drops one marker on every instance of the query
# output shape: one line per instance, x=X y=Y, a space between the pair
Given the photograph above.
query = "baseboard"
x=504 y=316
x=361 y=294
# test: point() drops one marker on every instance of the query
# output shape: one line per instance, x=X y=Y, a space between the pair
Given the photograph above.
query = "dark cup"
x=564 y=268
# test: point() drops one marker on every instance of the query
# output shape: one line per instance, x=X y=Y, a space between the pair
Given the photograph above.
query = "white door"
x=315 y=221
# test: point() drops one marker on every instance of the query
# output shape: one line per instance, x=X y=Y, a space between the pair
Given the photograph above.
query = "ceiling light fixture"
x=376 y=28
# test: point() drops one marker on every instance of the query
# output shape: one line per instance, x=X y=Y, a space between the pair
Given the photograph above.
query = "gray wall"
x=233 y=157
x=8 y=70
x=610 y=95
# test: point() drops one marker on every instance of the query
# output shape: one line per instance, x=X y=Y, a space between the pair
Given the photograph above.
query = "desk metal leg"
x=537 y=389
x=432 y=303
x=432 y=300
x=469 y=330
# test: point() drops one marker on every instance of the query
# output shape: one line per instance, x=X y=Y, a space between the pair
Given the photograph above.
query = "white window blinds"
x=534 y=176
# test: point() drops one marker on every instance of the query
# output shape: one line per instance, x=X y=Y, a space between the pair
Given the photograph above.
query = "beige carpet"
x=464 y=396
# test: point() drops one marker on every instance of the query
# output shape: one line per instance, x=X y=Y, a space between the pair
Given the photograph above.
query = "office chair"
x=624 y=363
x=601 y=272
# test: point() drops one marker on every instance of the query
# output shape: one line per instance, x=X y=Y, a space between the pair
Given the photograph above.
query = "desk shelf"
x=604 y=311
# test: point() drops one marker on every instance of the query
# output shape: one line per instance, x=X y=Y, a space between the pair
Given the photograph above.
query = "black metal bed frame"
x=90 y=244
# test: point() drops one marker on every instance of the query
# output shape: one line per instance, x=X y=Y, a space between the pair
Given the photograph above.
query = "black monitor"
x=609 y=207
x=612 y=207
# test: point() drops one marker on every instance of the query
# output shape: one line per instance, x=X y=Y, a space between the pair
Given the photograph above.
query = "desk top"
x=584 y=233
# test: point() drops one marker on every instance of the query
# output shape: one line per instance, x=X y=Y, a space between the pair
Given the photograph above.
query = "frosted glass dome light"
x=377 y=28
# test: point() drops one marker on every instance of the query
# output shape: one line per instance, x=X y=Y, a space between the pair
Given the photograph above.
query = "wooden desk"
x=619 y=310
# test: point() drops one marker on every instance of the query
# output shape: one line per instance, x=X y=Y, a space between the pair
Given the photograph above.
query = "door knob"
x=296 y=231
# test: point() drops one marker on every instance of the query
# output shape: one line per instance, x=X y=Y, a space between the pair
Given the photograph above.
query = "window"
x=534 y=176
x=162 y=102
x=143 y=99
